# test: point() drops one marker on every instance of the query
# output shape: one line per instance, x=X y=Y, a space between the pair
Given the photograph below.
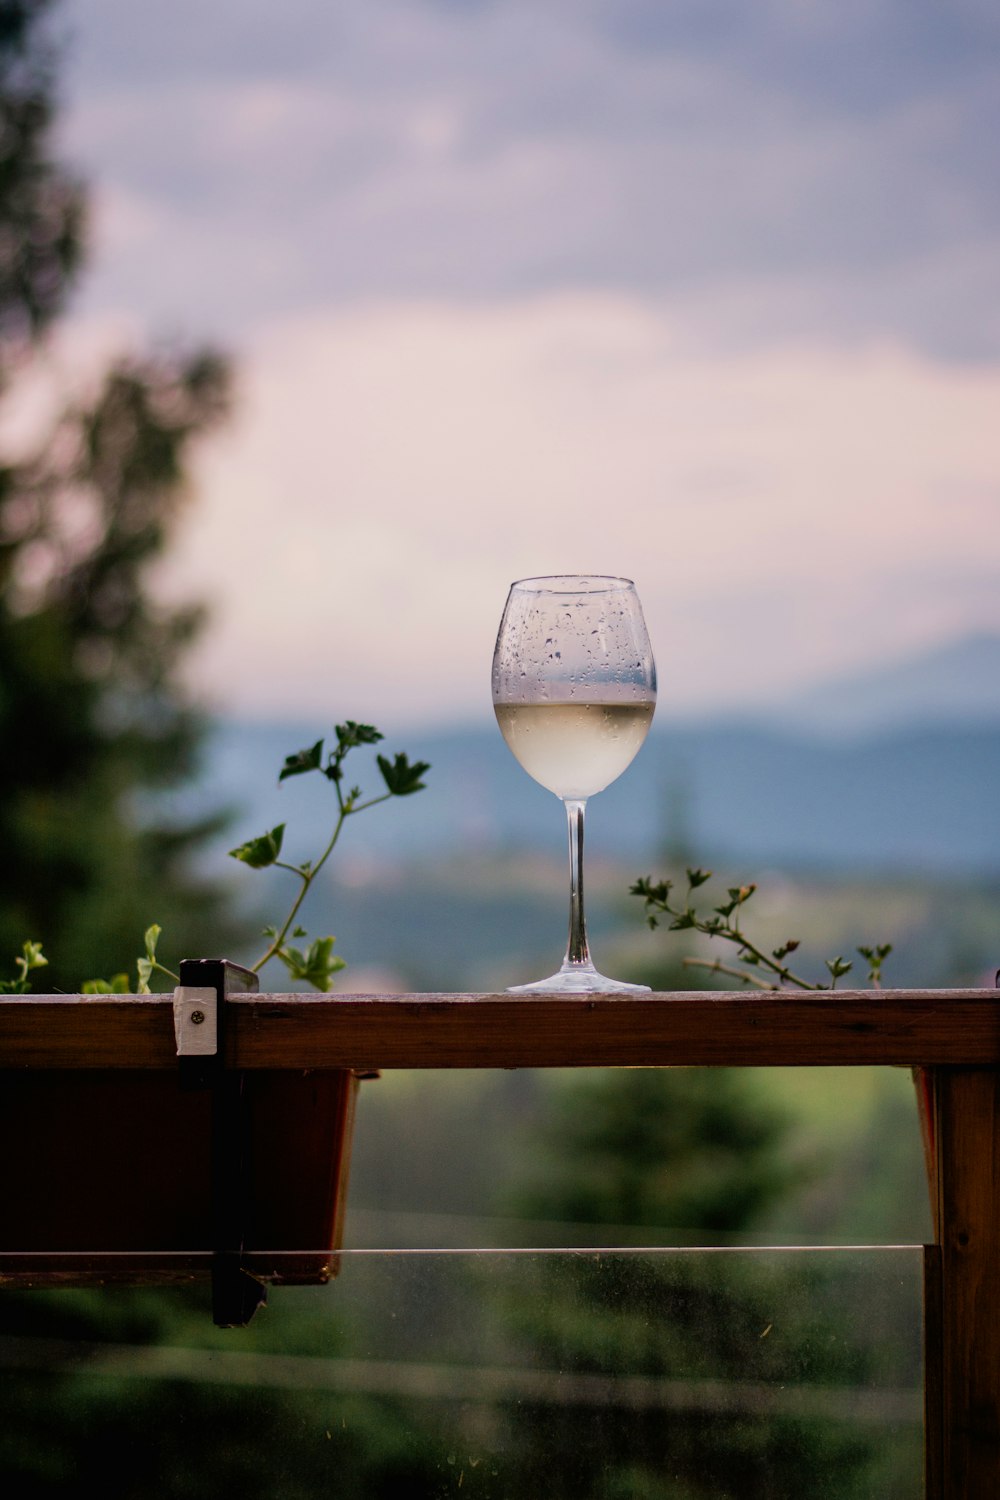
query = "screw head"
x=197 y=1017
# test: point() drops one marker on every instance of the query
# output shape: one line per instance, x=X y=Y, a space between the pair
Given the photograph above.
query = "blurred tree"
x=694 y=1156
x=41 y=204
x=684 y=1150
x=135 y=1432
x=93 y=723
x=92 y=717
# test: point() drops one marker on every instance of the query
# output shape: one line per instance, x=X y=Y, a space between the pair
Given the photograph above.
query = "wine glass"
x=574 y=689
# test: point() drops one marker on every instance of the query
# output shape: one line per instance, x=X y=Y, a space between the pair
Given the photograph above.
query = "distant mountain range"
x=956 y=683
x=909 y=782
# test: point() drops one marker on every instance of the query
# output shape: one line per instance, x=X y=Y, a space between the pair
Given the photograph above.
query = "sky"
x=701 y=293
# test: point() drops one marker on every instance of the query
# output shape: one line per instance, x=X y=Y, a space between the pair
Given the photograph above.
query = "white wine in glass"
x=574 y=689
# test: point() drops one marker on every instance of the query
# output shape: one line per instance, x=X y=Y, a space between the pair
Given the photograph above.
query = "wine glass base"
x=577 y=979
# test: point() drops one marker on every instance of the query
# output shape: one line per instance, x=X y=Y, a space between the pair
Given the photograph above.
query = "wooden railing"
x=949 y=1038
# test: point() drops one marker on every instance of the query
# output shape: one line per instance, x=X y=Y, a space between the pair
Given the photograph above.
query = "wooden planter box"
x=154 y=1177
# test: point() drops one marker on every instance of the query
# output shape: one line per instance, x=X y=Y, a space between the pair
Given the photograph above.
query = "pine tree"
x=92 y=717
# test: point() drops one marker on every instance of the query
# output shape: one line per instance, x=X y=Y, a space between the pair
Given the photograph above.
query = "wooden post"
x=962 y=1304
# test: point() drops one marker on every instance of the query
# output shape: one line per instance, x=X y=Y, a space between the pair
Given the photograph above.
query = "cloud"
x=702 y=293
x=394 y=467
x=838 y=166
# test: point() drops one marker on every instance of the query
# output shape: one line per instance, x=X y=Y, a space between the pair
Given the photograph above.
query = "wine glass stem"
x=577 y=951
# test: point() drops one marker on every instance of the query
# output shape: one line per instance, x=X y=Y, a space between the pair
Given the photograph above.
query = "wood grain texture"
x=85 y=1031
x=367 y=1032
x=967 y=1130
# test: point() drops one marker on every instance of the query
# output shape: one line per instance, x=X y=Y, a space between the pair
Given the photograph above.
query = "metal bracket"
x=196 y=1020
x=200 y=1031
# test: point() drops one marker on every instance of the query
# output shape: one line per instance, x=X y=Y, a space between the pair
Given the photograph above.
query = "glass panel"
x=617 y=1375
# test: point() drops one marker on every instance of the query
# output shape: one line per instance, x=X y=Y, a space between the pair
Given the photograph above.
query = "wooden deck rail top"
x=367 y=1032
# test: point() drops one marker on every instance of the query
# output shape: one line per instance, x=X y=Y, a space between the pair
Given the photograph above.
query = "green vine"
x=30 y=957
x=755 y=965
x=317 y=963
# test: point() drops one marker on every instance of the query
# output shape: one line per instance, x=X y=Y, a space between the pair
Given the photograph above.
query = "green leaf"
x=400 y=777
x=302 y=761
x=118 y=985
x=30 y=957
x=695 y=878
x=875 y=958
x=316 y=966
x=263 y=851
x=144 y=966
x=654 y=894
x=351 y=734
